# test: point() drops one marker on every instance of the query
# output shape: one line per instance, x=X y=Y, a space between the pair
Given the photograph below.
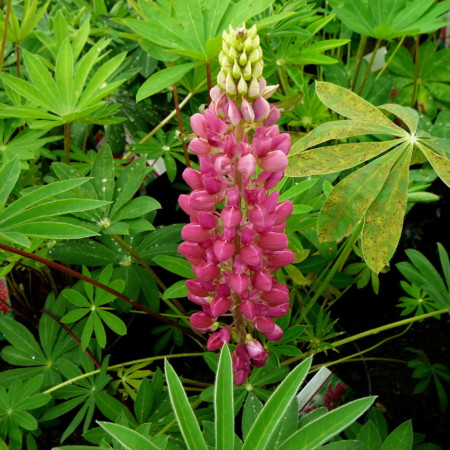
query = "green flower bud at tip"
x=230 y=87
x=242 y=86
x=236 y=70
x=254 y=56
x=253 y=89
x=247 y=72
x=243 y=58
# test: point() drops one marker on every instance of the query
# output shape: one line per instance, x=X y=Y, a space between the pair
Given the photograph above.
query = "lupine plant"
x=121 y=321
x=235 y=238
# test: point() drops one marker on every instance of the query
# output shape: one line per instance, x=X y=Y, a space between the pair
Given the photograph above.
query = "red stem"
x=117 y=294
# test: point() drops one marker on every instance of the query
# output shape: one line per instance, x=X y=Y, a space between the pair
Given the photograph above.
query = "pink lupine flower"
x=235 y=240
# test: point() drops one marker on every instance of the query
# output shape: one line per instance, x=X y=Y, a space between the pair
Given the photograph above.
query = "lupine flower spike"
x=235 y=240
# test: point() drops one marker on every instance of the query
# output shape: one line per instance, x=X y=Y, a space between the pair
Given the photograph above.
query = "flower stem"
x=359 y=56
x=208 y=78
x=102 y=286
x=117 y=366
x=416 y=71
x=390 y=58
x=180 y=125
x=373 y=331
x=5 y=33
x=72 y=335
x=369 y=67
x=67 y=141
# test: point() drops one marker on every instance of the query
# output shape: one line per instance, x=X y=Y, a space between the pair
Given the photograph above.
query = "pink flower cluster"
x=235 y=240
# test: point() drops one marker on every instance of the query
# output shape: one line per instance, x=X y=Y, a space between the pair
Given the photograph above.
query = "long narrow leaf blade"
x=275 y=408
x=223 y=401
x=183 y=412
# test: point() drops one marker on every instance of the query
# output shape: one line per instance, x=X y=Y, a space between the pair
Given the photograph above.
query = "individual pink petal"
x=275 y=161
x=247 y=165
x=215 y=93
x=248 y=308
x=229 y=234
x=262 y=109
x=251 y=255
x=282 y=142
x=219 y=339
x=258 y=215
x=196 y=287
x=194 y=233
x=224 y=249
x=214 y=123
x=263 y=281
x=221 y=107
x=206 y=271
x=201 y=322
x=279 y=294
x=199 y=146
x=273 y=179
x=264 y=324
x=233 y=113
x=231 y=217
x=273 y=241
x=238 y=282
x=183 y=201
x=200 y=200
x=223 y=164
x=274 y=115
x=193 y=178
x=280 y=258
x=283 y=211
x=191 y=250
x=275 y=335
x=198 y=125
x=247 y=113
x=257 y=352
x=233 y=196
x=212 y=185
x=201 y=301
x=262 y=146
x=220 y=305
x=207 y=220
x=271 y=201
x=278 y=311
x=247 y=235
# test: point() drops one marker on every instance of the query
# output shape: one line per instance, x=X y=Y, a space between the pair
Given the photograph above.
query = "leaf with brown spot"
x=408 y=115
x=352 y=197
x=339 y=129
x=384 y=219
x=440 y=164
x=351 y=105
x=335 y=158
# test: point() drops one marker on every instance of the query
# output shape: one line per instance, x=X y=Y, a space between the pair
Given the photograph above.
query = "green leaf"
x=368 y=435
x=175 y=265
x=177 y=290
x=136 y=208
x=76 y=298
x=74 y=315
x=9 y=174
x=128 y=183
x=53 y=230
x=400 y=439
x=348 y=104
x=351 y=198
x=64 y=76
x=162 y=79
x=342 y=129
x=144 y=401
x=275 y=408
x=127 y=438
x=33 y=402
x=192 y=14
x=440 y=164
x=25 y=420
x=384 y=218
x=408 y=115
x=223 y=401
x=22 y=339
x=112 y=321
x=103 y=174
x=184 y=414
x=87 y=332
x=297 y=189
x=40 y=194
x=252 y=409
x=43 y=83
x=325 y=427
x=335 y=158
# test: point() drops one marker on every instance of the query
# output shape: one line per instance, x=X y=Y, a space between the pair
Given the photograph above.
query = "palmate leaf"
x=376 y=191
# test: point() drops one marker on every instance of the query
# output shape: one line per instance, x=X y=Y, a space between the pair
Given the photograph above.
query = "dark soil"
x=360 y=310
